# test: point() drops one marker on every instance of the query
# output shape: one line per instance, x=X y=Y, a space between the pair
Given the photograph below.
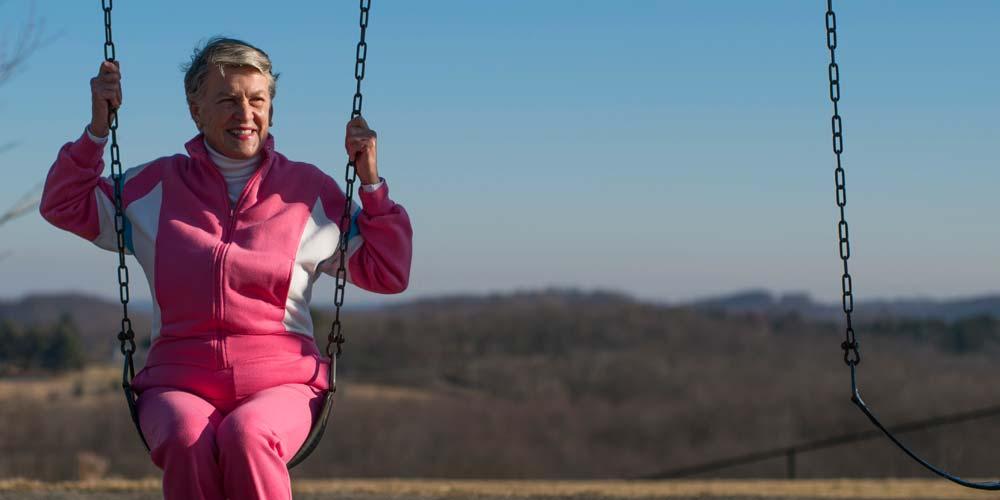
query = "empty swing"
x=852 y=353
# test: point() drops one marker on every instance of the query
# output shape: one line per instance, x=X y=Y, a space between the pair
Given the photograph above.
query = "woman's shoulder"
x=155 y=168
x=300 y=170
x=165 y=162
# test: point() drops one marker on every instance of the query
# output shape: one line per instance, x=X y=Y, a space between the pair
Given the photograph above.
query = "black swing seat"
x=312 y=439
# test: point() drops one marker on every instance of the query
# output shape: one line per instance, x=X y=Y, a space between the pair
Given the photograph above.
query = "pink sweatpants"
x=225 y=427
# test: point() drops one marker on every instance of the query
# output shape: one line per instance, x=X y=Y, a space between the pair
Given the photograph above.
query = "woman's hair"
x=219 y=52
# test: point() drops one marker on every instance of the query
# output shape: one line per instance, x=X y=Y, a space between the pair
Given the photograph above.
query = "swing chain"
x=126 y=336
x=336 y=337
x=852 y=356
x=109 y=47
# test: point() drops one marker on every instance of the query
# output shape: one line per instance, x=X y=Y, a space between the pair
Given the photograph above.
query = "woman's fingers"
x=361 y=142
x=358 y=127
x=110 y=67
x=107 y=84
x=106 y=94
x=358 y=131
x=109 y=71
x=359 y=137
x=356 y=145
x=357 y=121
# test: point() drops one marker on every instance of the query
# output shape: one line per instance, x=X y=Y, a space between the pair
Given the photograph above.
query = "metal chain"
x=852 y=356
x=336 y=337
x=126 y=336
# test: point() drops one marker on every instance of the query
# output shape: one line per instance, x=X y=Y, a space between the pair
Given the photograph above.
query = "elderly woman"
x=231 y=237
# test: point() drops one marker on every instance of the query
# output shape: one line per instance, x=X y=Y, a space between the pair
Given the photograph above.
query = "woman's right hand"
x=105 y=94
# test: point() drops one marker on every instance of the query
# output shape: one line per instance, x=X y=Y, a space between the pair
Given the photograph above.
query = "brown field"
x=392 y=489
x=543 y=387
x=99 y=379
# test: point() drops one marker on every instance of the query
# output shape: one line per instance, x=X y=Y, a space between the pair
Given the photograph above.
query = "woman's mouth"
x=242 y=134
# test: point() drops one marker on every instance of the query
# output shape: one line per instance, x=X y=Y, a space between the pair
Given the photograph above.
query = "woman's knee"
x=244 y=431
x=177 y=423
x=189 y=435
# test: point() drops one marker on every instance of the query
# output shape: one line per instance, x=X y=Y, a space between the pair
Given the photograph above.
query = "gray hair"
x=220 y=52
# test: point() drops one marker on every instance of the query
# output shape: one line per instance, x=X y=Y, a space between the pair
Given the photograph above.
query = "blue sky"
x=671 y=149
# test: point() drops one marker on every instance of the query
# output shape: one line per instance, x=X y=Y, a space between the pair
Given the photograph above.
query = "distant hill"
x=768 y=303
x=98 y=320
x=97 y=316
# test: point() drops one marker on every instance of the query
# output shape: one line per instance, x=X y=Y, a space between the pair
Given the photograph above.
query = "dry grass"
x=908 y=489
x=91 y=380
x=916 y=489
x=103 y=379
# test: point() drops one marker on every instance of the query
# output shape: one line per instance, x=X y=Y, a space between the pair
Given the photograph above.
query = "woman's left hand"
x=361 y=144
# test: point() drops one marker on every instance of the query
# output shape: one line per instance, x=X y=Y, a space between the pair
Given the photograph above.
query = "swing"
x=852 y=353
x=335 y=338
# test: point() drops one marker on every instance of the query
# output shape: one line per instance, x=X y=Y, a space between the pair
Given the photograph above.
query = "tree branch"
x=15 y=48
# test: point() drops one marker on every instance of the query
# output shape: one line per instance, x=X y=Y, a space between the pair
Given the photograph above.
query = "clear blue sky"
x=671 y=149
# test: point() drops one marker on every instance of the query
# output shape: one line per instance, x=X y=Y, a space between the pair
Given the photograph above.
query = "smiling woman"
x=231 y=107
x=231 y=237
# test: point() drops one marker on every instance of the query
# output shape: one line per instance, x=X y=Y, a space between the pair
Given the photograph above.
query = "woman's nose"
x=245 y=110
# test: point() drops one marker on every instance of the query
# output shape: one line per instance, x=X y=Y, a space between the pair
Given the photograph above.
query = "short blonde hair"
x=220 y=52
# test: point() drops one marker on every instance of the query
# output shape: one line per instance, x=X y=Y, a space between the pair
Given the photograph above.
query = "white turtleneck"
x=236 y=172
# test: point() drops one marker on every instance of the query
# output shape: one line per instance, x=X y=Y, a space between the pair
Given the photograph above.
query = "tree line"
x=51 y=348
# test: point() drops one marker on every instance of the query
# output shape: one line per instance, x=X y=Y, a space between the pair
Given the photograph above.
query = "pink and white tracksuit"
x=232 y=379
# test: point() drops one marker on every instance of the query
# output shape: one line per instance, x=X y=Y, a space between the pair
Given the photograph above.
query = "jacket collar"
x=196 y=149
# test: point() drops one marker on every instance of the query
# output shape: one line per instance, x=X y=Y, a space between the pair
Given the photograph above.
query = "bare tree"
x=16 y=45
x=26 y=204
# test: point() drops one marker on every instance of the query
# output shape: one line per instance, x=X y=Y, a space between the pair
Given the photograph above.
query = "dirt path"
x=915 y=489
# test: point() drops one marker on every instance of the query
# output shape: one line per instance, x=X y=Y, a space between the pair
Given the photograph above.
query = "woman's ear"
x=193 y=108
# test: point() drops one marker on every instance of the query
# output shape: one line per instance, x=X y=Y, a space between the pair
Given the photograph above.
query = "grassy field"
x=101 y=382
x=392 y=489
x=107 y=379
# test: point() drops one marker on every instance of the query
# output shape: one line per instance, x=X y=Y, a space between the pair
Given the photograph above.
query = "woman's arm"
x=380 y=244
x=75 y=197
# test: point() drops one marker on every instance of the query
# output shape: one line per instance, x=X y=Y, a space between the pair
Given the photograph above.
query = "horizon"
x=776 y=296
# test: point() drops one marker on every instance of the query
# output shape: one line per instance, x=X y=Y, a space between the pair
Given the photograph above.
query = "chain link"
x=109 y=47
x=126 y=336
x=852 y=355
x=336 y=337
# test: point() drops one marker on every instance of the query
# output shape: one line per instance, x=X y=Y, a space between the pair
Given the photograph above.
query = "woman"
x=231 y=237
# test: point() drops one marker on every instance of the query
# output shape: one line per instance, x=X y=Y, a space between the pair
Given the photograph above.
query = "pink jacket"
x=221 y=275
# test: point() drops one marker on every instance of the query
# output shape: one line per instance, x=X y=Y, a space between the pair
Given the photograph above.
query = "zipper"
x=227 y=233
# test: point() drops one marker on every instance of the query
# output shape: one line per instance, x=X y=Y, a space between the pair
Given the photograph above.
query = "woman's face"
x=234 y=111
